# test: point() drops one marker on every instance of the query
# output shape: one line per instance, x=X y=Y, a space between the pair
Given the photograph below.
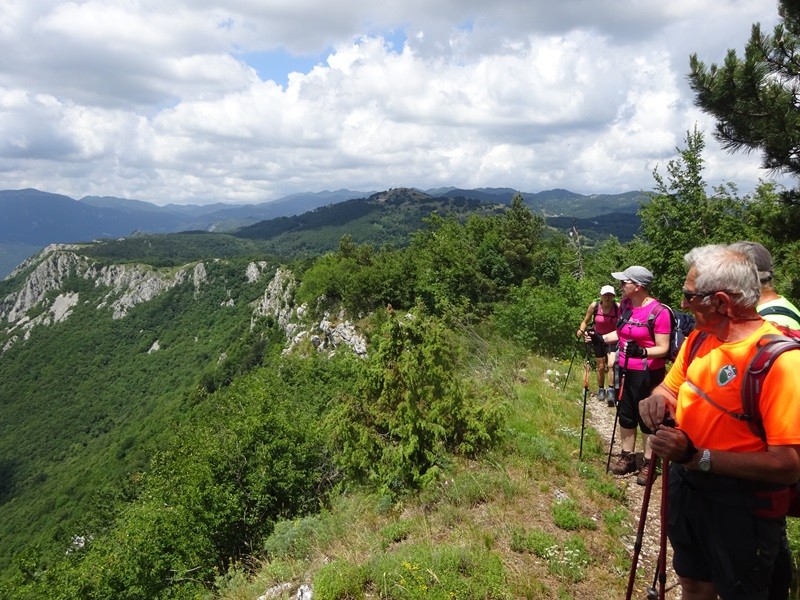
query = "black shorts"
x=636 y=386
x=716 y=537
x=601 y=349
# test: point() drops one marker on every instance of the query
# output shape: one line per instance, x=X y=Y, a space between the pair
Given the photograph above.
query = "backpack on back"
x=681 y=325
x=770 y=347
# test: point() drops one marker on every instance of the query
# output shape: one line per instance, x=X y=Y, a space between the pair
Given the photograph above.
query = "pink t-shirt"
x=605 y=323
x=635 y=329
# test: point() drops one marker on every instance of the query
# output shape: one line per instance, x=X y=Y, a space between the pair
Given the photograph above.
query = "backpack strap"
x=770 y=347
x=694 y=346
x=783 y=311
x=739 y=416
x=613 y=315
x=651 y=318
x=625 y=312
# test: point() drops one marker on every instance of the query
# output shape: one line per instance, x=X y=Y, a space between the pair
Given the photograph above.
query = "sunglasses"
x=691 y=295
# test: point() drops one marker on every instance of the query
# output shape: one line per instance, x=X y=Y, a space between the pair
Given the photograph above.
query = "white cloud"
x=150 y=99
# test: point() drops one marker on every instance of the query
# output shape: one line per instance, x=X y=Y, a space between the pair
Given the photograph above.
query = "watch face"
x=705 y=461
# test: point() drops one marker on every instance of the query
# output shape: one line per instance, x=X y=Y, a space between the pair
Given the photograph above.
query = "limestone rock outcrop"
x=326 y=335
x=124 y=286
x=128 y=286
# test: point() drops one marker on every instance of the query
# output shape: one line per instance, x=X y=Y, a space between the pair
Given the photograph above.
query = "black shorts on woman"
x=637 y=385
x=600 y=348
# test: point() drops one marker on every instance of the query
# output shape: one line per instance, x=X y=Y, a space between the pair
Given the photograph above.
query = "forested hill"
x=390 y=217
x=308 y=223
x=177 y=409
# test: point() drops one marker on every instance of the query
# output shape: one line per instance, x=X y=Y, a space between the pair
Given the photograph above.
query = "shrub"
x=292 y=539
x=542 y=318
x=409 y=409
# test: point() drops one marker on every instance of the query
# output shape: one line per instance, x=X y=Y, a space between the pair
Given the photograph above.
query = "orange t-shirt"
x=718 y=370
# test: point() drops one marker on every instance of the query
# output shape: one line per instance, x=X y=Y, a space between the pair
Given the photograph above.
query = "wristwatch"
x=704 y=464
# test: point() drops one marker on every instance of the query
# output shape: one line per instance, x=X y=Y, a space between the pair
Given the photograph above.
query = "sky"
x=198 y=101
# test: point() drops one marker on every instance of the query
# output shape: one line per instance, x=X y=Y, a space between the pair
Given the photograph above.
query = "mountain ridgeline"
x=309 y=223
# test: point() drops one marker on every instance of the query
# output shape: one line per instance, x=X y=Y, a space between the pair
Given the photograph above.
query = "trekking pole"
x=637 y=546
x=616 y=412
x=570 y=368
x=585 y=392
x=661 y=563
x=660 y=576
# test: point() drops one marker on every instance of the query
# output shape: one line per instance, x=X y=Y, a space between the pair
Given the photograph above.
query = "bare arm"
x=585 y=323
x=611 y=337
x=661 y=347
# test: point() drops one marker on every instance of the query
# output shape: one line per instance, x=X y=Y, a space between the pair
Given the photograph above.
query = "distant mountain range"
x=32 y=219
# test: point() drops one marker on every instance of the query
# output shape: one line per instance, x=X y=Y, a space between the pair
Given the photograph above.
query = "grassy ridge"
x=526 y=521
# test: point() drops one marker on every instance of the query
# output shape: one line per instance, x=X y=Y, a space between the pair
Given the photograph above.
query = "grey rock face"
x=126 y=286
x=326 y=335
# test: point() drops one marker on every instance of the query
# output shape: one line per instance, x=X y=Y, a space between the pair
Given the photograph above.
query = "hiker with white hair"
x=729 y=479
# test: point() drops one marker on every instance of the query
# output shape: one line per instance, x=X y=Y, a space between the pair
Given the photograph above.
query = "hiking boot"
x=626 y=463
x=611 y=397
x=601 y=394
x=644 y=472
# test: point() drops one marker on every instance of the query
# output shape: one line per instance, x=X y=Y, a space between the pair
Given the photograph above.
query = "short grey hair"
x=725 y=268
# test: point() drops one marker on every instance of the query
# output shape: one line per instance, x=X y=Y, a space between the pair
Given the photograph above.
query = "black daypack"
x=681 y=325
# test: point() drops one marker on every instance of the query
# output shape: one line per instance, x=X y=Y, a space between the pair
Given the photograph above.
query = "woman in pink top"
x=643 y=334
x=603 y=315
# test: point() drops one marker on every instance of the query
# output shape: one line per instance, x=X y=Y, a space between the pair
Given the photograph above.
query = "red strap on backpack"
x=770 y=347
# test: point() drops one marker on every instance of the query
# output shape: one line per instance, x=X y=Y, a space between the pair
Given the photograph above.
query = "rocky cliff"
x=41 y=299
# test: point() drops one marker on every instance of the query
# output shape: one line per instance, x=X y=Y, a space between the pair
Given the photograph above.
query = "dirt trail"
x=601 y=418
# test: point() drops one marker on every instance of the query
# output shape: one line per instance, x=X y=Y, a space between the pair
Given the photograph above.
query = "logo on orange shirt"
x=726 y=374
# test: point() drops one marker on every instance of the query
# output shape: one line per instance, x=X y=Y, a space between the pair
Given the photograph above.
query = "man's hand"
x=672 y=444
x=634 y=350
x=652 y=410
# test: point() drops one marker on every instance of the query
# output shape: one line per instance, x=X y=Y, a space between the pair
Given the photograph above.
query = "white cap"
x=607 y=289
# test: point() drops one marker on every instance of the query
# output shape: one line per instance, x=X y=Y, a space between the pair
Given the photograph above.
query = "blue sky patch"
x=277 y=64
